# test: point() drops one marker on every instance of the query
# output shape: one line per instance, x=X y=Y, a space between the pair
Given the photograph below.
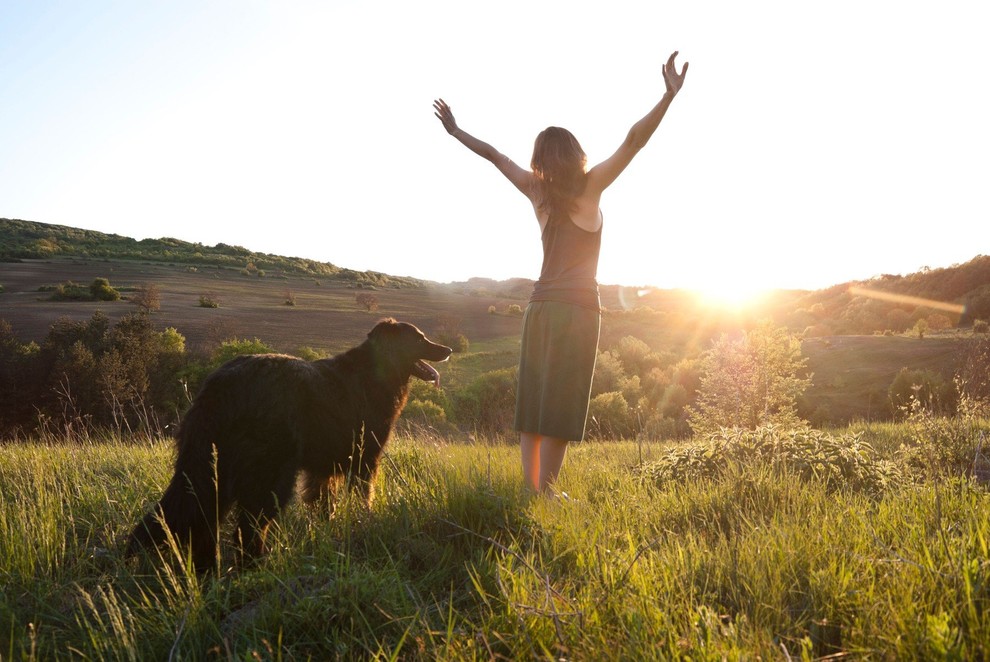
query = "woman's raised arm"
x=603 y=174
x=521 y=178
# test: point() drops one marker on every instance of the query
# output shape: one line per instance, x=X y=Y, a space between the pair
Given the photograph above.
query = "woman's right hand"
x=442 y=111
x=673 y=80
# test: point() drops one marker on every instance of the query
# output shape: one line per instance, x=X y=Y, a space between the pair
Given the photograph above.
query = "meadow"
x=865 y=542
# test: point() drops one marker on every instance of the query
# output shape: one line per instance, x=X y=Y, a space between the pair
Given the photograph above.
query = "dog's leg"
x=320 y=492
x=258 y=509
x=362 y=480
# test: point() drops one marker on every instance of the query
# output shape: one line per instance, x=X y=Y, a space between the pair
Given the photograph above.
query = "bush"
x=310 y=354
x=943 y=446
x=841 y=462
x=233 y=348
x=68 y=291
x=925 y=387
x=209 y=300
x=422 y=417
x=981 y=326
x=459 y=342
x=488 y=403
x=610 y=417
x=100 y=290
x=514 y=309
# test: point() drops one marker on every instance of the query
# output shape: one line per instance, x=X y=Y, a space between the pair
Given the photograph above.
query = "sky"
x=812 y=143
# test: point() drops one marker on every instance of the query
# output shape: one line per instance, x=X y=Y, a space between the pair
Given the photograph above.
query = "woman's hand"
x=670 y=76
x=442 y=111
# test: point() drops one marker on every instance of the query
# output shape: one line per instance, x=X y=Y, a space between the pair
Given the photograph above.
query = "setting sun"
x=729 y=294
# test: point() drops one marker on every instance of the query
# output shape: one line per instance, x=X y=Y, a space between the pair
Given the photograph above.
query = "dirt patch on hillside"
x=326 y=315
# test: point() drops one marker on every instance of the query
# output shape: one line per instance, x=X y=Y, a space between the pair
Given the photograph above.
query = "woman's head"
x=559 y=165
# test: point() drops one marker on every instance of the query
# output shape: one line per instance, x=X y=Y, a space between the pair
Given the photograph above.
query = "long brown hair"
x=559 y=165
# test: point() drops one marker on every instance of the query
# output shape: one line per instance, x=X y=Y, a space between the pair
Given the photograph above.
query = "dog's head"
x=408 y=349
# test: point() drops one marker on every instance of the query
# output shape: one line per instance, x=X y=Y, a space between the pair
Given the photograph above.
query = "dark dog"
x=258 y=421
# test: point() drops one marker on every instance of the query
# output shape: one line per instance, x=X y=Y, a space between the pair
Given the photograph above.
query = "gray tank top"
x=570 y=264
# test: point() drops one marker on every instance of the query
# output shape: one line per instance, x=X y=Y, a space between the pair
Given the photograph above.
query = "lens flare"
x=858 y=290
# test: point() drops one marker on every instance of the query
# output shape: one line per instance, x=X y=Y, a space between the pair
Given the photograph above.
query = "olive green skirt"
x=556 y=366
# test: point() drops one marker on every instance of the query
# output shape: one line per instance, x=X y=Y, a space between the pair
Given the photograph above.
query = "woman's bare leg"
x=529 y=442
x=552 y=451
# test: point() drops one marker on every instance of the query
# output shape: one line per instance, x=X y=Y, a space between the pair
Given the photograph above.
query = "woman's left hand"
x=442 y=111
x=673 y=80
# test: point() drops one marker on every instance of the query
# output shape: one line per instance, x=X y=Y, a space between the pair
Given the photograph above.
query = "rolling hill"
x=291 y=302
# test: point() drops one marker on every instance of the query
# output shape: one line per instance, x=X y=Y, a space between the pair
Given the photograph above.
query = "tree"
x=147 y=298
x=750 y=380
x=367 y=300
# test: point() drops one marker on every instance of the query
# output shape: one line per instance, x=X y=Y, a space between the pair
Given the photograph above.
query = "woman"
x=561 y=323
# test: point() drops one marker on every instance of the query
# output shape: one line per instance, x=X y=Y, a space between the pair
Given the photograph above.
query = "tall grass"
x=455 y=561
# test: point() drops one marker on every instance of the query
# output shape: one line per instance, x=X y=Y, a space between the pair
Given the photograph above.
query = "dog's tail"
x=189 y=508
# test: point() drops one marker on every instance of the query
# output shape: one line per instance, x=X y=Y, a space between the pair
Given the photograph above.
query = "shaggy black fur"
x=260 y=420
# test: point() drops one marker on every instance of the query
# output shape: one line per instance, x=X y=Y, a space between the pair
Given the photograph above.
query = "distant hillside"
x=23 y=240
x=839 y=310
x=966 y=286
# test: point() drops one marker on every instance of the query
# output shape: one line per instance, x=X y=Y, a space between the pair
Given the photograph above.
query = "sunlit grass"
x=455 y=561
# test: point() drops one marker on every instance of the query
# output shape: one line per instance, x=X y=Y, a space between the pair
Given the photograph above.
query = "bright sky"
x=812 y=144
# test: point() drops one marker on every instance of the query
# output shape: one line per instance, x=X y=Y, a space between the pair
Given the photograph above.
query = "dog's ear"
x=382 y=327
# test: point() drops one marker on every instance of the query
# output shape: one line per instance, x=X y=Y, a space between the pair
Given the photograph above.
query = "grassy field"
x=454 y=561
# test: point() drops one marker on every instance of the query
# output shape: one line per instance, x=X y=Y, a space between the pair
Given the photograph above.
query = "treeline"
x=92 y=375
x=24 y=240
x=857 y=308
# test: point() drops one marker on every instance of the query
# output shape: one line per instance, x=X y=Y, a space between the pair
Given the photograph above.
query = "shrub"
x=290 y=298
x=67 y=291
x=943 y=446
x=514 y=309
x=844 y=461
x=488 y=403
x=101 y=290
x=610 y=417
x=973 y=379
x=981 y=326
x=310 y=354
x=459 y=343
x=232 y=348
x=421 y=417
x=491 y=309
x=209 y=300
x=924 y=388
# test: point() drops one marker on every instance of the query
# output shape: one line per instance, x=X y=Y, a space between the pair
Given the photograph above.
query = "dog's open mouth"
x=426 y=372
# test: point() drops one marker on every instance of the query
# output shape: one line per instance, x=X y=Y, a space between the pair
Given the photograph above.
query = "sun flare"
x=730 y=295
